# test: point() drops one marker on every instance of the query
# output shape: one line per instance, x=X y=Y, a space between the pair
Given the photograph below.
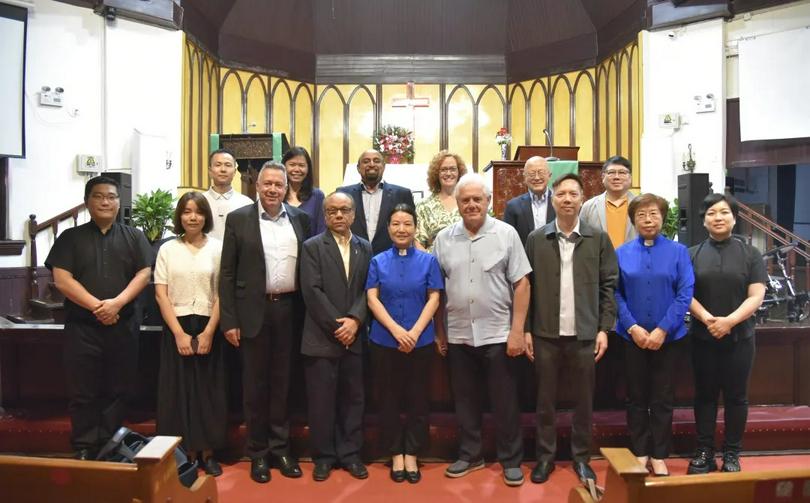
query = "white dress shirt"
x=540 y=207
x=371 y=207
x=280 y=246
x=568 y=321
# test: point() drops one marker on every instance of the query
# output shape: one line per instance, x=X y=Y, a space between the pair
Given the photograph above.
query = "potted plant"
x=152 y=213
x=670 y=227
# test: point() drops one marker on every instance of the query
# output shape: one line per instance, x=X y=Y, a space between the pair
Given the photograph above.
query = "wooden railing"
x=34 y=229
x=776 y=235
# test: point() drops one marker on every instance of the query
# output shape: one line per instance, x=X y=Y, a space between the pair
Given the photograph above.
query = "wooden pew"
x=628 y=482
x=152 y=479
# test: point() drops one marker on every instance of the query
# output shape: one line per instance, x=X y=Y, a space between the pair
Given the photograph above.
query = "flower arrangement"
x=394 y=143
x=502 y=137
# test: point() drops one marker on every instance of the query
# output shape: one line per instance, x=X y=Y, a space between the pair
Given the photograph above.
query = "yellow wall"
x=607 y=96
x=598 y=109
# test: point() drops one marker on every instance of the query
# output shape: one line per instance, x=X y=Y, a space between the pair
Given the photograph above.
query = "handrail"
x=34 y=229
x=777 y=233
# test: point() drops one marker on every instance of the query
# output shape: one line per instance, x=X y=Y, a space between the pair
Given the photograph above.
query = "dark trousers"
x=723 y=365
x=101 y=362
x=335 y=401
x=650 y=395
x=402 y=381
x=564 y=360
x=266 y=367
x=473 y=369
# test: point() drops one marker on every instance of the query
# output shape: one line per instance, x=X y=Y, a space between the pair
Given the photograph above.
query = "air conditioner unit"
x=164 y=13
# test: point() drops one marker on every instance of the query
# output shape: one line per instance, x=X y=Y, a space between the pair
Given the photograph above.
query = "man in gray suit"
x=260 y=307
x=574 y=271
x=607 y=212
x=334 y=266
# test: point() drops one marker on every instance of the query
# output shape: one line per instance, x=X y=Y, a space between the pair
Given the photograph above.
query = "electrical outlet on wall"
x=51 y=97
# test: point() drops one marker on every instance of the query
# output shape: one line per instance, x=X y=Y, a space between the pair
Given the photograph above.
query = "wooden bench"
x=152 y=479
x=628 y=482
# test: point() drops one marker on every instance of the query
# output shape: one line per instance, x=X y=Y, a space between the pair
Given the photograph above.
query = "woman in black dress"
x=729 y=287
x=191 y=393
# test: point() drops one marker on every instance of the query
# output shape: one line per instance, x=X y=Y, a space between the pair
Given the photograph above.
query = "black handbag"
x=125 y=444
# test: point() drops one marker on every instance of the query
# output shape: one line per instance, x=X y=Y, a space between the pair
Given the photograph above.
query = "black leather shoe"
x=413 y=477
x=584 y=472
x=83 y=455
x=702 y=462
x=259 y=471
x=357 y=470
x=211 y=467
x=731 y=462
x=288 y=467
x=397 y=475
x=541 y=471
x=321 y=472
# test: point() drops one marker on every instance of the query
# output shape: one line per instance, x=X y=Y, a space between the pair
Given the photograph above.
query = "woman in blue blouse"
x=403 y=294
x=653 y=295
x=300 y=190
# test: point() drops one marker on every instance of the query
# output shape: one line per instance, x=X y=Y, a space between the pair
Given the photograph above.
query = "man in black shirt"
x=100 y=267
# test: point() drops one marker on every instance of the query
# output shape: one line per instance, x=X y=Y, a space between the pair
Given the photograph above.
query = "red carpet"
x=485 y=485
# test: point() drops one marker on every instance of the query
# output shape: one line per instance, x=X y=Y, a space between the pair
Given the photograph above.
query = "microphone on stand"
x=550 y=146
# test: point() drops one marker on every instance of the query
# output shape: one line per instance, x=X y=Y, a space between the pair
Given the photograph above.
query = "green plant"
x=152 y=213
x=670 y=227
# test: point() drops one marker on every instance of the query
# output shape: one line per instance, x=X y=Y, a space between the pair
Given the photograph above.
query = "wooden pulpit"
x=507 y=176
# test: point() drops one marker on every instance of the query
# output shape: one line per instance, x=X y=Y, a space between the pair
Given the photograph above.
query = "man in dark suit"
x=334 y=266
x=374 y=200
x=532 y=210
x=260 y=306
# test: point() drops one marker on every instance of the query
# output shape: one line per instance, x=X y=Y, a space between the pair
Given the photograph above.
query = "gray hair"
x=272 y=165
x=472 y=179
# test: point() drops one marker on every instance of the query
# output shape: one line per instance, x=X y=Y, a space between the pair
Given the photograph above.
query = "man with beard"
x=373 y=200
x=487 y=289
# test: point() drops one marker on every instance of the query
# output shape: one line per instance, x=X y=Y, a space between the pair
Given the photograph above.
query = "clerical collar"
x=403 y=252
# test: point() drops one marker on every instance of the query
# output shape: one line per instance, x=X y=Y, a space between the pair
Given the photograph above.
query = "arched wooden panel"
x=625 y=108
x=460 y=108
x=518 y=113
x=538 y=112
x=232 y=91
x=329 y=129
x=635 y=115
x=612 y=105
x=256 y=104
x=303 y=131
x=585 y=115
x=561 y=93
x=362 y=115
x=281 y=106
x=490 y=116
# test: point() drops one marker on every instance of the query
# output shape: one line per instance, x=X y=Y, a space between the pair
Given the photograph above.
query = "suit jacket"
x=593 y=214
x=243 y=270
x=595 y=274
x=328 y=295
x=518 y=214
x=392 y=196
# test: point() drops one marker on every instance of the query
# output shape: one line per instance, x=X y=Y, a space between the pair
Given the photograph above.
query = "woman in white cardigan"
x=191 y=395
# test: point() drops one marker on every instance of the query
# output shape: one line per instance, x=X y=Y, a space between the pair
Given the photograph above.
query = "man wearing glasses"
x=532 y=210
x=100 y=267
x=607 y=212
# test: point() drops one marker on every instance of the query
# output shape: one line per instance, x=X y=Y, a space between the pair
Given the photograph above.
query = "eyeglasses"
x=104 y=197
x=334 y=211
x=536 y=174
x=617 y=172
x=643 y=215
x=448 y=169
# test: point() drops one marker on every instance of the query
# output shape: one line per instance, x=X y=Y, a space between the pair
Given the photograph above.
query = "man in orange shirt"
x=608 y=211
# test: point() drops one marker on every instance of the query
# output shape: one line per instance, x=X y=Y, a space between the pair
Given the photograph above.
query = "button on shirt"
x=539 y=208
x=221 y=205
x=655 y=287
x=344 y=245
x=191 y=276
x=104 y=264
x=479 y=273
x=280 y=246
x=723 y=272
x=371 y=207
x=403 y=282
x=568 y=321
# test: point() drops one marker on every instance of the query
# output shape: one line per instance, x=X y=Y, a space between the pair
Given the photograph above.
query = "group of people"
x=298 y=279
